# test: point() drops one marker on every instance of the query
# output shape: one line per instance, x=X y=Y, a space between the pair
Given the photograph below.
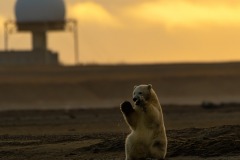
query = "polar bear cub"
x=147 y=139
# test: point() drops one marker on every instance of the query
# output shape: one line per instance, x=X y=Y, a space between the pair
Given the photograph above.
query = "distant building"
x=28 y=57
x=37 y=17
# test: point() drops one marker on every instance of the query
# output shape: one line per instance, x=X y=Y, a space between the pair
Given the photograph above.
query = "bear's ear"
x=135 y=87
x=149 y=86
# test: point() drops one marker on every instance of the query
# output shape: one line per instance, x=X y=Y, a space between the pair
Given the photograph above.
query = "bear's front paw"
x=126 y=108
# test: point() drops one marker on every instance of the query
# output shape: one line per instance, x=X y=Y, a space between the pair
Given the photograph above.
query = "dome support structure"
x=39 y=31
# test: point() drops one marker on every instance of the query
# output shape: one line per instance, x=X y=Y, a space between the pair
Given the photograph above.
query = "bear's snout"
x=137 y=100
x=134 y=99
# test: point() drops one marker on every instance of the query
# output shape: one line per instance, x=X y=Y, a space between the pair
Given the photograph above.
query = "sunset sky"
x=143 y=31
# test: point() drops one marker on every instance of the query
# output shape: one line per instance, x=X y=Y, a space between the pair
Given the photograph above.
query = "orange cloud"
x=185 y=13
x=1 y=21
x=93 y=13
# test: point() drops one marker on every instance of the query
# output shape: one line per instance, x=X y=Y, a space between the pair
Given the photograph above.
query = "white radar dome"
x=39 y=10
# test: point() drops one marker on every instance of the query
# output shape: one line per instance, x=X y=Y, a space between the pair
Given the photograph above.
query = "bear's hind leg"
x=158 y=150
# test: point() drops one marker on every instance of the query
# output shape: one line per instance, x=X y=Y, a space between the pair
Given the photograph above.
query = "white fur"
x=148 y=136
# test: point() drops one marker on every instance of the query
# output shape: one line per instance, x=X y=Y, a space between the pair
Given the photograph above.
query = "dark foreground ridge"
x=208 y=142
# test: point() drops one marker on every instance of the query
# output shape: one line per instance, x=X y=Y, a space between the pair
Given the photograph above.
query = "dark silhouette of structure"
x=37 y=17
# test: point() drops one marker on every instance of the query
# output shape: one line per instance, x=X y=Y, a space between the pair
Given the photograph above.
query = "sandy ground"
x=100 y=133
x=107 y=86
x=68 y=113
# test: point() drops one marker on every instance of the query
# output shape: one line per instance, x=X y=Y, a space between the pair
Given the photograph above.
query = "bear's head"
x=141 y=94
